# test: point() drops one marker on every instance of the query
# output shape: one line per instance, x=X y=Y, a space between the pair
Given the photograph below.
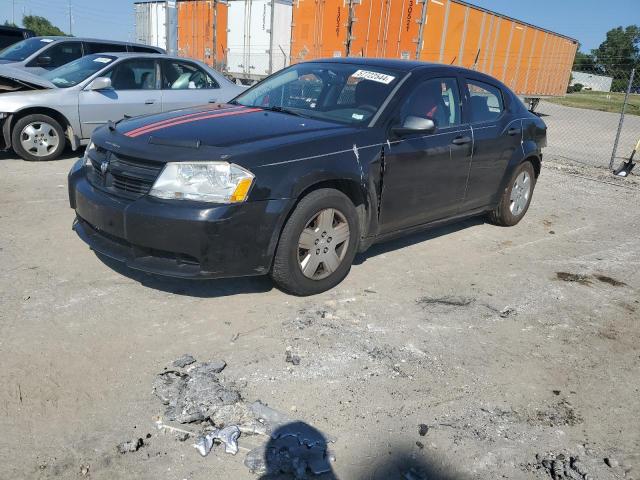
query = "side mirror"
x=43 y=61
x=415 y=125
x=100 y=83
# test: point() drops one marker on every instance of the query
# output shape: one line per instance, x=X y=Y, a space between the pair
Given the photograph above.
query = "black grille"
x=125 y=176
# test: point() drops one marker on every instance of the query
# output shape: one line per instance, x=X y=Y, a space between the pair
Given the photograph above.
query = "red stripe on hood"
x=207 y=111
x=191 y=120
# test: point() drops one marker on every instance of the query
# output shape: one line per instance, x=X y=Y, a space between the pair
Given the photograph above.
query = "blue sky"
x=586 y=20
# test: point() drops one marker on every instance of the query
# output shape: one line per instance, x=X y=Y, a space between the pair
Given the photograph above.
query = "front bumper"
x=177 y=238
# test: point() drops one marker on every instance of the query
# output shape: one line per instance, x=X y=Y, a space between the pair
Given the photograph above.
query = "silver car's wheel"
x=40 y=139
x=520 y=193
x=323 y=244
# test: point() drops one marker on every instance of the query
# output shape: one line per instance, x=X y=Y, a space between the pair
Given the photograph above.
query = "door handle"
x=514 y=131
x=150 y=102
x=461 y=140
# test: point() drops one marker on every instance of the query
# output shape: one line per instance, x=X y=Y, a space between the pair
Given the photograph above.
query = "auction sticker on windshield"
x=374 y=76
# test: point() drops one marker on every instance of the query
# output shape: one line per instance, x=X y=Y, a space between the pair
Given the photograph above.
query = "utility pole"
x=13 y=12
x=70 y=19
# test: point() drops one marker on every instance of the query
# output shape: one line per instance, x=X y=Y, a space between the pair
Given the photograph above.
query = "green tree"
x=583 y=62
x=41 y=26
x=618 y=55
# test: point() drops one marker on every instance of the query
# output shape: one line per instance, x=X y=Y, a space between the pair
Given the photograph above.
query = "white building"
x=597 y=83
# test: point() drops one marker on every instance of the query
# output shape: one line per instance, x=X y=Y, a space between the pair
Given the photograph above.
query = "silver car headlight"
x=219 y=182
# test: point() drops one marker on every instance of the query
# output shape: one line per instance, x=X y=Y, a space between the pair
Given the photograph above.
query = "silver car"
x=39 y=114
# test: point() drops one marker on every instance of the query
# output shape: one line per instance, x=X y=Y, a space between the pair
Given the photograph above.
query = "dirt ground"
x=506 y=343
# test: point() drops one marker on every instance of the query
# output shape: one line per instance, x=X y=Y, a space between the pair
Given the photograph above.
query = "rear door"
x=497 y=134
x=135 y=92
x=425 y=174
x=185 y=84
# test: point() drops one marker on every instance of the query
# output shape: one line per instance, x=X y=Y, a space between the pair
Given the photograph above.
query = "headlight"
x=218 y=182
x=91 y=147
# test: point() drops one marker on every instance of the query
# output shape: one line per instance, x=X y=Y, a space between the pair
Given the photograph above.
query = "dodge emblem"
x=104 y=166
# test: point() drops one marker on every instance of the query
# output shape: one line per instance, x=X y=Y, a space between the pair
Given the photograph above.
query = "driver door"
x=426 y=172
x=134 y=92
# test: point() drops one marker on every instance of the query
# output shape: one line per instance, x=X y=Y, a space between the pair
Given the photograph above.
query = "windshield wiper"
x=276 y=108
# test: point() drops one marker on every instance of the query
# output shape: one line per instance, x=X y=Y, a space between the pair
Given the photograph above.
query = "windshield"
x=77 y=71
x=339 y=92
x=21 y=50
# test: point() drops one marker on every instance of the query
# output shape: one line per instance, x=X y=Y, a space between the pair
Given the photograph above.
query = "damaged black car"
x=304 y=170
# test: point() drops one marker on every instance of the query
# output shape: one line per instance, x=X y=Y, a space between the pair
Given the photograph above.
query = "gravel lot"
x=419 y=333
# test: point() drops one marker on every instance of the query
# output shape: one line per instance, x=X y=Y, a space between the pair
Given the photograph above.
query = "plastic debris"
x=291 y=358
x=423 y=429
x=130 y=446
x=228 y=436
x=507 y=312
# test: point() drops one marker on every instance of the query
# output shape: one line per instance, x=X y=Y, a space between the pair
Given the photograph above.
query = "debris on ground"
x=561 y=466
x=184 y=360
x=447 y=300
x=197 y=394
x=610 y=281
x=227 y=436
x=130 y=446
x=423 y=429
x=295 y=448
x=507 y=312
x=290 y=357
x=574 y=277
x=84 y=470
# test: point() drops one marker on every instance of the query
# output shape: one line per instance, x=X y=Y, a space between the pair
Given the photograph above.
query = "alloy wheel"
x=520 y=193
x=323 y=244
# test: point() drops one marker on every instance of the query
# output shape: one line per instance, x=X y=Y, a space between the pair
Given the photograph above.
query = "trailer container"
x=533 y=61
x=202 y=31
x=156 y=24
x=259 y=34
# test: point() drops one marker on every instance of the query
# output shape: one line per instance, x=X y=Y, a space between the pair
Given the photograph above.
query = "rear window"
x=21 y=50
x=134 y=48
x=95 y=47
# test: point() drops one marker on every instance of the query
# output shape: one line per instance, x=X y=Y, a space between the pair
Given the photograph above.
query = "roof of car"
x=57 y=38
x=396 y=64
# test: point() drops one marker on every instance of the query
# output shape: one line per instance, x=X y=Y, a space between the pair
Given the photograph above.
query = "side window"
x=178 y=75
x=437 y=99
x=62 y=53
x=137 y=74
x=94 y=47
x=486 y=102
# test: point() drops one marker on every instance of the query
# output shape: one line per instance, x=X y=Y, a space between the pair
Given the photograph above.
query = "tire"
x=38 y=137
x=296 y=269
x=516 y=198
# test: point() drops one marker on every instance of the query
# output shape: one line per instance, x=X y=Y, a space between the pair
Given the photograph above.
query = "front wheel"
x=516 y=198
x=318 y=244
x=38 y=138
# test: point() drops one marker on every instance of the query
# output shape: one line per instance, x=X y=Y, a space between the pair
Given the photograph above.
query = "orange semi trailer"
x=202 y=31
x=533 y=61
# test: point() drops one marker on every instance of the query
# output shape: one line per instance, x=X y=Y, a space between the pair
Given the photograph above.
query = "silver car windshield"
x=340 y=92
x=21 y=50
x=77 y=71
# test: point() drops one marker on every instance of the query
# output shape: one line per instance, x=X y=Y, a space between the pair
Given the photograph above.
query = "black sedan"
x=305 y=169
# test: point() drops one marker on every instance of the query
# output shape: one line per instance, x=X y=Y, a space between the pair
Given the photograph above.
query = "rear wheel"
x=318 y=244
x=516 y=198
x=38 y=138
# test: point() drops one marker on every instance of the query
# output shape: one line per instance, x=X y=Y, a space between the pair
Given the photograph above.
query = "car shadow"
x=261 y=284
x=418 y=237
x=192 y=288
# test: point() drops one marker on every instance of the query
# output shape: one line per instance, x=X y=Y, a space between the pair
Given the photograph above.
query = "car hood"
x=212 y=132
x=14 y=79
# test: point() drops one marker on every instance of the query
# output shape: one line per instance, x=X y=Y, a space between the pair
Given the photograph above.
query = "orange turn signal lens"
x=241 y=191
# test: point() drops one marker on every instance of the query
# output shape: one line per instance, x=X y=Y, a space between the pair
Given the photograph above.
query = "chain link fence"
x=598 y=121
